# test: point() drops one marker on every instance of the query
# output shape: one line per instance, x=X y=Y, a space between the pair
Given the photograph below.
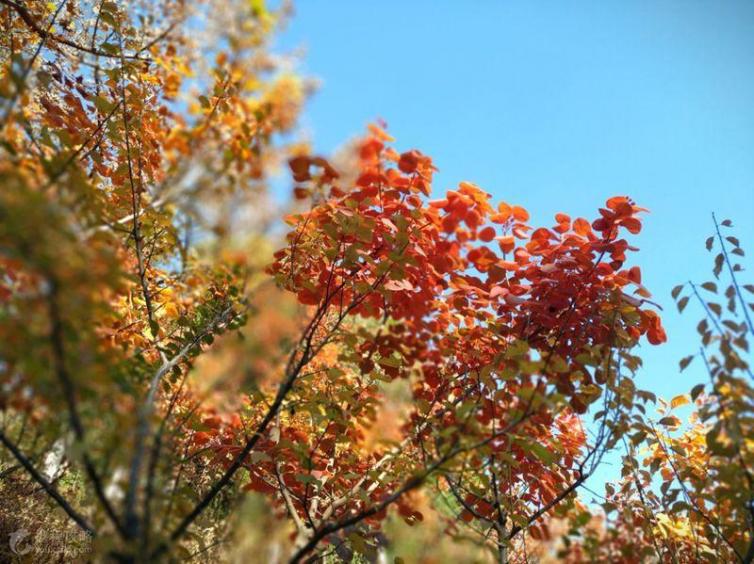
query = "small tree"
x=136 y=144
x=688 y=488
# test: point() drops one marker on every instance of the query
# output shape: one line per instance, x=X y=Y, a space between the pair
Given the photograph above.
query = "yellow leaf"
x=171 y=310
x=679 y=401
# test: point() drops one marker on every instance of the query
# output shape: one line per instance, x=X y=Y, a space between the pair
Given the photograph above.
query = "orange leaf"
x=581 y=226
x=632 y=224
x=507 y=243
x=679 y=400
x=520 y=214
x=408 y=161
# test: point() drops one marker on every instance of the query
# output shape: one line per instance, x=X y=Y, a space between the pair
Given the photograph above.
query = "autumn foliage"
x=405 y=355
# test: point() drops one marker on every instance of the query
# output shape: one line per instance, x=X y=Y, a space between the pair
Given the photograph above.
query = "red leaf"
x=487 y=234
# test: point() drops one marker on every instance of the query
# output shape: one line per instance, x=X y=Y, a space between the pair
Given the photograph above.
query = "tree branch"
x=46 y=485
x=28 y=19
x=69 y=395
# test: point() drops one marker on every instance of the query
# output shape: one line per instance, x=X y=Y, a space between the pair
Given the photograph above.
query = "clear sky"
x=557 y=106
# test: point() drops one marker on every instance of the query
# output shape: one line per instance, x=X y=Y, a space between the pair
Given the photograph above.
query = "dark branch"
x=46 y=485
x=69 y=395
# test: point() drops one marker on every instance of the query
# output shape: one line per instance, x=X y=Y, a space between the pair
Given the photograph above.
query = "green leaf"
x=545 y=455
x=103 y=104
x=390 y=361
x=696 y=391
x=65 y=137
x=257 y=456
x=307 y=479
x=108 y=18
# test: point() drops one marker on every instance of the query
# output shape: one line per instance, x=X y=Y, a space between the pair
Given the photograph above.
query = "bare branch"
x=45 y=484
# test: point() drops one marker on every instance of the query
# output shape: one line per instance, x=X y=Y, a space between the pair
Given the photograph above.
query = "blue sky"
x=557 y=106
